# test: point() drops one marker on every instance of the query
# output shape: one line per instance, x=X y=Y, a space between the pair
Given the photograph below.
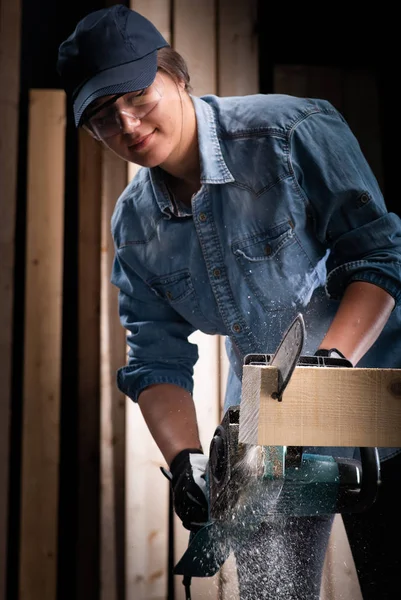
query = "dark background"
x=291 y=36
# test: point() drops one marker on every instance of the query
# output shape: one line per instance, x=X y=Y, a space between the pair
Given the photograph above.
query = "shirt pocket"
x=178 y=290
x=276 y=268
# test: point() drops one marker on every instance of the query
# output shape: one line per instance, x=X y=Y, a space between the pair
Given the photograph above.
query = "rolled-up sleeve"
x=343 y=197
x=157 y=336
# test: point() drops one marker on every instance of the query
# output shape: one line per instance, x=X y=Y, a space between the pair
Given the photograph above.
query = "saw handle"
x=356 y=502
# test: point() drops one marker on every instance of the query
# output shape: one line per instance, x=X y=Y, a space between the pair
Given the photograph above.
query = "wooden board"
x=10 y=18
x=361 y=109
x=310 y=81
x=89 y=188
x=339 y=581
x=339 y=576
x=112 y=401
x=147 y=491
x=354 y=92
x=238 y=68
x=195 y=39
x=238 y=74
x=322 y=407
x=42 y=360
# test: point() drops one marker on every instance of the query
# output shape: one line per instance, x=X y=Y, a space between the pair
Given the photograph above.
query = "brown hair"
x=172 y=63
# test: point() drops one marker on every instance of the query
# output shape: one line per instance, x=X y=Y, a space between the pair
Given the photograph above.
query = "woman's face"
x=150 y=140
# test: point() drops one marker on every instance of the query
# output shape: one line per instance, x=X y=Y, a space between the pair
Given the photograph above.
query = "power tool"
x=247 y=483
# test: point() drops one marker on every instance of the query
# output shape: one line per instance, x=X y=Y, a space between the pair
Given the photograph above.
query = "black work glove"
x=334 y=353
x=188 y=479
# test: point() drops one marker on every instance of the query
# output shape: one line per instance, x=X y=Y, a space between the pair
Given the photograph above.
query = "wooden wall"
x=124 y=538
x=10 y=26
x=354 y=92
x=221 y=53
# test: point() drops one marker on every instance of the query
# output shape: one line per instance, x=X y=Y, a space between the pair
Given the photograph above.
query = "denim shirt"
x=287 y=215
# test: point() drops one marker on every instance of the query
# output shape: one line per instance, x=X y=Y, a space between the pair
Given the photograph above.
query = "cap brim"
x=129 y=77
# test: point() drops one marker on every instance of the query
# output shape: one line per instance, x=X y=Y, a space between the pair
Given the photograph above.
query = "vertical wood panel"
x=10 y=17
x=291 y=79
x=195 y=39
x=112 y=401
x=43 y=308
x=147 y=491
x=339 y=576
x=89 y=189
x=340 y=580
x=238 y=72
x=361 y=109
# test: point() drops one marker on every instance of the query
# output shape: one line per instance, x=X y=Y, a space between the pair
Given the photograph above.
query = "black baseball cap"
x=111 y=51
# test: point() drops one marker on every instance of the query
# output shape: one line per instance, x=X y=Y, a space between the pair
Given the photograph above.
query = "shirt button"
x=268 y=250
x=216 y=272
x=364 y=199
x=202 y=217
x=236 y=327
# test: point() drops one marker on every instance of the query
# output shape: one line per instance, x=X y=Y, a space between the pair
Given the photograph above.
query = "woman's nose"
x=128 y=122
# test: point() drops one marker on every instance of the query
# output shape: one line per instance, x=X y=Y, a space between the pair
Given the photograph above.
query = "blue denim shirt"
x=288 y=214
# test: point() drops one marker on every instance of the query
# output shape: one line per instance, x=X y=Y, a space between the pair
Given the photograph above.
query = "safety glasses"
x=108 y=119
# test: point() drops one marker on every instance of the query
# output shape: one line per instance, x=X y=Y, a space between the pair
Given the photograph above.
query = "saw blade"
x=288 y=353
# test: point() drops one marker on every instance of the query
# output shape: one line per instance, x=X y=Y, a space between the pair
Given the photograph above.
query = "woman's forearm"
x=361 y=316
x=169 y=412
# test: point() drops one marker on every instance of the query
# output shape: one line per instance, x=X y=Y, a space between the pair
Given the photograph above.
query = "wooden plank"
x=42 y=360
x=147 y=501
x=112 y=401
x=238 y=68
x=10 y=25
x=89 y=189
x=238 y=74
x=340 y=580
x=291 y=80
x=322 y=407
x=206 y=398
x=147 y=491
x=310 y=81
x=159 y=13
x=195 y=39
x=146 y=513
x=361 y=109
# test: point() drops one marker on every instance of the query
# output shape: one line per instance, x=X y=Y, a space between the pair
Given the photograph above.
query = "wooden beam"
x=147 y=491
x=322 y=407
x=196 y=40
x=361 y=109
x=340 y=580
x=42 y=361
x=238 y=69
x=112 y=401
x=237 y=74
x=10 y=25
x=339 y=575
x=88 y=414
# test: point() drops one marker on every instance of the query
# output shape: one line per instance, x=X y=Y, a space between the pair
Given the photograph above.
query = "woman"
x=247 y=211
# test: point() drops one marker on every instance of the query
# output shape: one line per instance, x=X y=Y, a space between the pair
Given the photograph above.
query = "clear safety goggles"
x=108 y=119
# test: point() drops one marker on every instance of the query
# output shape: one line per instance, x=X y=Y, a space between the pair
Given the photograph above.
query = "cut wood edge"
x=322 y=407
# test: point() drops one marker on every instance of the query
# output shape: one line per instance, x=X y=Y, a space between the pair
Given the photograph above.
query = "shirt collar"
x=213 y=166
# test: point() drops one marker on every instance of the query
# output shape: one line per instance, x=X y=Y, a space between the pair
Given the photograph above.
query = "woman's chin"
x=153 y=158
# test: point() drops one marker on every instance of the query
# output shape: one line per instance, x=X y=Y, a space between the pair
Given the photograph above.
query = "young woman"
x=247 y=211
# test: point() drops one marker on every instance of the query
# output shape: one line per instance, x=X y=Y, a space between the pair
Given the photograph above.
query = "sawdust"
x=282 y=559
x=278 y=557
